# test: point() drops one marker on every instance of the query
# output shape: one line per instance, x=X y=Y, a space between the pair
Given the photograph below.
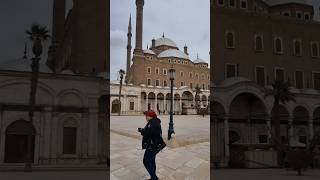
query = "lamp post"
x=172 y=74
x=121 y=73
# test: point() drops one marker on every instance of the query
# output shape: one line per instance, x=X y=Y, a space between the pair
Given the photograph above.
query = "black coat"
x=152 y=134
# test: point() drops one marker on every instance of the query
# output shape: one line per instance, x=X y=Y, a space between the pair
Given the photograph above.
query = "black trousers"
x=149 y=161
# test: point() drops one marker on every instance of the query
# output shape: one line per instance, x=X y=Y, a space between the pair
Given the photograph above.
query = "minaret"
x=129 y=47
x=58 y=20
x=139 y=27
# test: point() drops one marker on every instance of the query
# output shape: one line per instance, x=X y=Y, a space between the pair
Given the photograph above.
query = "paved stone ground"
x=263 y=174
x=186 y=158
x=37 y=175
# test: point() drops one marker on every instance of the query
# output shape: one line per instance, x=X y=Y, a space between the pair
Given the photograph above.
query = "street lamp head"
x=121 y=72
x=172 y=73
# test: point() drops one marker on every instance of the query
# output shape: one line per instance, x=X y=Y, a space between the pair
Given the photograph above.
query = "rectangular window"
x=314 y=49
x=303 y=139
x=279 y=75
x=131 y=106
x=164 y=83
x=263 y=139
x=69 y=140
x=316 y=80
x=299 y=79
x=230 y=70
x=232 y=3
x=182 y=84
x=243 y=4
x=260 y=76
x=157 y=82
x=157 y=70
x=149 y=70
x=181 y=73
x=149 y=82
x=220 y=2
x=191 y=85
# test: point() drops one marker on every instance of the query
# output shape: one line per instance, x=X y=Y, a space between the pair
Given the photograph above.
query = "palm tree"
x=280 y=91
x=36 y=34
x=198 y=91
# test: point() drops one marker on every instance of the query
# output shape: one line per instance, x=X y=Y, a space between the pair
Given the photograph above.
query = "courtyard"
x=187 y=156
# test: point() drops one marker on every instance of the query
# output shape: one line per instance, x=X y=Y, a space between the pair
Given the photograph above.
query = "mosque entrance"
x=16 y=144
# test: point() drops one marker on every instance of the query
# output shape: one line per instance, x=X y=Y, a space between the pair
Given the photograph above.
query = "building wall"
x=245 y=25
x=62 y=101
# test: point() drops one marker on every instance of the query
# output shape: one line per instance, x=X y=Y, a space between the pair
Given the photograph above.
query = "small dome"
x=279 y=2
x=198 y=61
x=23 y=65
x=148 y=51
x=173 y=53
x=165 y=42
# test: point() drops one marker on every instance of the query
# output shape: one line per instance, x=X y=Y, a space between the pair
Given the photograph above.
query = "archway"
x=160 y=103
x=300 y=124
x=176 y=107
x=16 y=145
x=115 y=107
x=187 y=99
x=284 y=123
x=316 y=120
x=143 y=101
x=250 y=112
x=151 y=101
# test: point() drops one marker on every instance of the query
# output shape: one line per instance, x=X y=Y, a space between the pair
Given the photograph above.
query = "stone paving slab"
x=186 y=157
x=172 y=163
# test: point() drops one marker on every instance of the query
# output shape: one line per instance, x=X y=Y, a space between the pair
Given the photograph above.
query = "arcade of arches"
x=135 y=100
x=247 y=120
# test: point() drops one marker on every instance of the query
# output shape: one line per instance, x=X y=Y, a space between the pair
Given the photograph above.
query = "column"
x=164 y=102
x=147 y=102
x=226 y=138
x=311 y=130
x=156 y=102
x=269 y=128
x=291 y=129
x=180 y=101
x=45 y=139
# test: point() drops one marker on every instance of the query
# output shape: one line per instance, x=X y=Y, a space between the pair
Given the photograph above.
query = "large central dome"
x=279 y=2
x=173 y=53
x=163 y=41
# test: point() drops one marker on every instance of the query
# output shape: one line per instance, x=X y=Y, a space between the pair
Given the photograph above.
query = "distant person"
x=152 y=142
x=164 y=111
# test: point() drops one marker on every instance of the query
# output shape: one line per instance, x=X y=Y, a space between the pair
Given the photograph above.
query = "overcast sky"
x=183 y=21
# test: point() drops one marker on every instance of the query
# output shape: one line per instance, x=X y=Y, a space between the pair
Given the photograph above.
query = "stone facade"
x=62 y=101
x=136 y=99
x=147 y=81
x=255 y=43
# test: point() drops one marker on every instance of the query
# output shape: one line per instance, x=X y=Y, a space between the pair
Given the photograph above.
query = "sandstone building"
x=147 y=75
x=256 y=42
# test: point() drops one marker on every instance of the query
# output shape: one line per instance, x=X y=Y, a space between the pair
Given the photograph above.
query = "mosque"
x=147 y=81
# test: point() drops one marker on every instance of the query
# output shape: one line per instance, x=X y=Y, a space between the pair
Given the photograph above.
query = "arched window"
x=278 y=46
x=259 y=43
x=297 y=47
x=230 y=40
x=315 y=49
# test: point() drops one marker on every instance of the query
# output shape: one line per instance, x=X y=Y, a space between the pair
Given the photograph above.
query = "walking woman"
x=152 y=142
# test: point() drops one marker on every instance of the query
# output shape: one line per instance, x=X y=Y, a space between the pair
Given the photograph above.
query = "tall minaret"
x=129 y=47
x=58 y=20
x=139 y=27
